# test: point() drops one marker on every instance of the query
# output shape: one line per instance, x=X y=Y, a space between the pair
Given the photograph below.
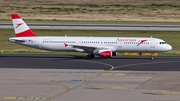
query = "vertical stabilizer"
x=20 y=27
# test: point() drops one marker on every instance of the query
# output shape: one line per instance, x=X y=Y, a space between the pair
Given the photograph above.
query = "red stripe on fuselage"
x=26 y=33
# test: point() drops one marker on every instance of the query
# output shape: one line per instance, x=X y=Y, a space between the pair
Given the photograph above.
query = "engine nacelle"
x=105 y=53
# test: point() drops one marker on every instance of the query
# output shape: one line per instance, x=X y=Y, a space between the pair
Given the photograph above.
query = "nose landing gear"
x=152 y=55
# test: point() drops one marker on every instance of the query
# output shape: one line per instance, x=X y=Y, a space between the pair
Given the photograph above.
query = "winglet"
x=20 y=27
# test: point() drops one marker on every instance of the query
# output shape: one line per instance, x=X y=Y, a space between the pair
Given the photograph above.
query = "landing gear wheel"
x=152 y=55
x=90 y=56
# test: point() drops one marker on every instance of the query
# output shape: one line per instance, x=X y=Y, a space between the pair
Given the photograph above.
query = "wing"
x=87 y=48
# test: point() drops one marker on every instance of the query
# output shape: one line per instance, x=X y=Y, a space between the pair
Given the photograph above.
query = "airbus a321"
x=105 y=47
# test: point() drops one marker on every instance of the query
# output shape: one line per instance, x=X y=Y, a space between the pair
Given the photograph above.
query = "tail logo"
x=65 y=45
x=18 y=25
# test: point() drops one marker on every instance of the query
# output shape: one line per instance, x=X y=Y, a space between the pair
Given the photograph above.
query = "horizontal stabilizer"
x=16 y=40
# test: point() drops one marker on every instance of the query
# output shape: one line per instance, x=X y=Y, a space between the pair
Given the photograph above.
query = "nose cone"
x=168 y=47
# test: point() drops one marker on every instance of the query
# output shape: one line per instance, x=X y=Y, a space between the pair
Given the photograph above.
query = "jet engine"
x=105 y=53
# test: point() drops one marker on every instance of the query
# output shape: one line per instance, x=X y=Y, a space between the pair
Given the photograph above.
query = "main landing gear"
x=90 y=56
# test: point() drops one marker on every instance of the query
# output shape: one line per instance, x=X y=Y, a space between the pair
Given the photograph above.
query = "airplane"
x=104 y=47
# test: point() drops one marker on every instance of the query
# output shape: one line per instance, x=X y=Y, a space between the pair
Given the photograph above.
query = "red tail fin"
x=20 y=27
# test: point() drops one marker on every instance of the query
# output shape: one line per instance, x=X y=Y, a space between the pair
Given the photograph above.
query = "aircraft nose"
x=169 y=47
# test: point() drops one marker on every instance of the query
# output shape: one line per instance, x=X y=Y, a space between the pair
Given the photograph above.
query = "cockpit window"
x=162 y=43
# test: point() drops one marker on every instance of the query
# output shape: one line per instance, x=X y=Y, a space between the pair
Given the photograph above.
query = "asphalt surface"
x=74 y=78
x=99 y=26
x=79 y=62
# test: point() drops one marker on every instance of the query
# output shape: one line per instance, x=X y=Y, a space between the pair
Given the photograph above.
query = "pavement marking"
x=167 y=93
x=9 y=98
x=119 y=74
x=112 y=74
x=57 y=95
x=103 y=72
x=164 y=93
x=24 y=98
x=83 y=83
x=97 y=88
x=107 y=74
x=112 y=67
x=114 y=87
x=144 y=64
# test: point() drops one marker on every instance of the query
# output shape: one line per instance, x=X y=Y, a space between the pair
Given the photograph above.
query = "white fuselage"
x=116 y=44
